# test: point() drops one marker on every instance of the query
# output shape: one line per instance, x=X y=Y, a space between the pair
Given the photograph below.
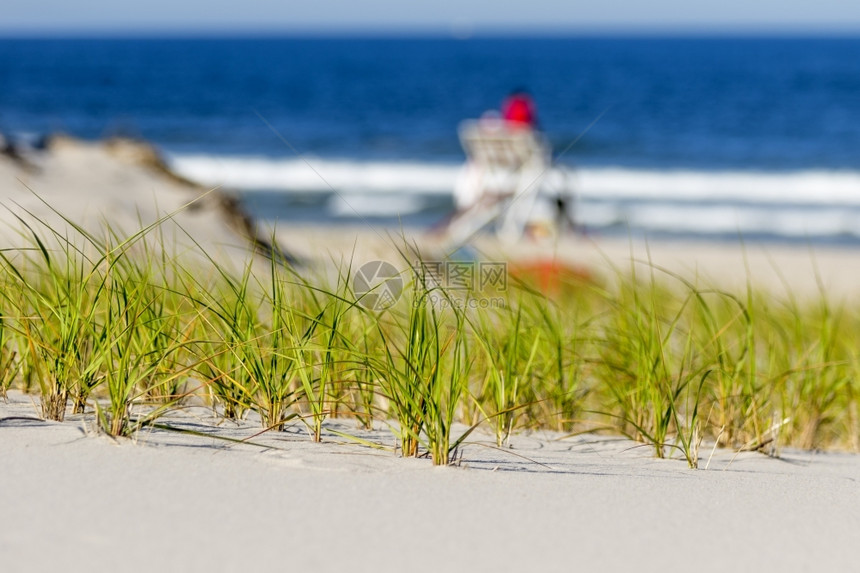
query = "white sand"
x=802 y=271
x=170 y=502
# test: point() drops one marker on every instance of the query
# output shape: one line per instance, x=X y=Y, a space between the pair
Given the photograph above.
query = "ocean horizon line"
x=435 y=33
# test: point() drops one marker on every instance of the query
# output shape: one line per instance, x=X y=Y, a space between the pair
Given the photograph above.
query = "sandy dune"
x=119 y=184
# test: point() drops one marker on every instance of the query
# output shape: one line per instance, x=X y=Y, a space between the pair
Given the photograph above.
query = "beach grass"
x=123 y=330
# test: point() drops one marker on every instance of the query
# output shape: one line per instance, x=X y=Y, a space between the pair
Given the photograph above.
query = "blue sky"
x=459 y=16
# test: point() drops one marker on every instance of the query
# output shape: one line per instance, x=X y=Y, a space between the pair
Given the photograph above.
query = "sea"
x=688 y=138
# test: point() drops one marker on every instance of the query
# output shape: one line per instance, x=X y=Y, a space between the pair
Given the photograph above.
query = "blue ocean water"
x=693 y=136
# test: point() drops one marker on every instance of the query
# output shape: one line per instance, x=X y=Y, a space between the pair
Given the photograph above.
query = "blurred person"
x=518 y=109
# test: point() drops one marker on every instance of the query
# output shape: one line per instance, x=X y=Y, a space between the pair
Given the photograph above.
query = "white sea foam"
x=793 y=204
x=809 y=186
x=799 y=187
x=311 y=174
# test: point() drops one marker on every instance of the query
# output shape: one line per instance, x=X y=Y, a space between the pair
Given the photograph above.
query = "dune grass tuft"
x=121 y=329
